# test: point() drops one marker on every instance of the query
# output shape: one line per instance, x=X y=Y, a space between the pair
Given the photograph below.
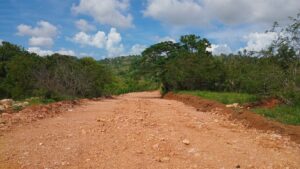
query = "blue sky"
x=109 y=28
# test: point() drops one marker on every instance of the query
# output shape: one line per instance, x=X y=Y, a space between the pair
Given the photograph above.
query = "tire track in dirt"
x=141 y=130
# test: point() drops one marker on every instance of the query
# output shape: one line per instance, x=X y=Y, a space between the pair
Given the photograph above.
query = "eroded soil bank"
x=246 y=117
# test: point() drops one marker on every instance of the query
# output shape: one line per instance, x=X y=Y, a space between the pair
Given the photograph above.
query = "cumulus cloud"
x=66 y=52
x=39 y=51
x=175 y=12
x=220 y=49
x=137 y=49
x=113 y=46
x=41 y=41
x=245 y=11
x=42 y=35
x=43 y=29
x=84 y=54
x=108 y=12
x=258 y=41
x=84 y=26
x=42 y=52
x=98 y=40
x=166 y=38
x=199 y=12
x=111 y=42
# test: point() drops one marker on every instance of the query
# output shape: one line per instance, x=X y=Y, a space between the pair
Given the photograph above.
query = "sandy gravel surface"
x=141 y=131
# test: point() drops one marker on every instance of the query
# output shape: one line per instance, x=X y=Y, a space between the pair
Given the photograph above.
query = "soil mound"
x=248 y=118
x=29 y=114
x=266 y=103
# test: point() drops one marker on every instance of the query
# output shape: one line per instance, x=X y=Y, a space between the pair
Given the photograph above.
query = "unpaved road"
x=140 y=131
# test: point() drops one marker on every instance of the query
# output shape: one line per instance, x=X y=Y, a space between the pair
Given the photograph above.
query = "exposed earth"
x=143 y=131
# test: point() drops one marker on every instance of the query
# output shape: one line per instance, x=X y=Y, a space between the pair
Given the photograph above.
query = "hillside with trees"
x=170 y=66
x=188 y=65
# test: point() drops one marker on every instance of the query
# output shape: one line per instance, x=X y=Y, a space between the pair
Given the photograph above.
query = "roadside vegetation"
x=58 y=77
x=288 y=114
x=125 y=75
x=185 y=66
x=246 y=76
x=223 y=97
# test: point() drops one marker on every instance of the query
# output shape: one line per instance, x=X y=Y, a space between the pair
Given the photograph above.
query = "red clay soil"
x=249 y=119
x=10 y=119
x=142 y=130
x=266 y=103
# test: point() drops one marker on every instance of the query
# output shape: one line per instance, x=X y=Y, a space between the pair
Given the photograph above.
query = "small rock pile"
x=233 y=105
x=8 y=119
x=9 y=104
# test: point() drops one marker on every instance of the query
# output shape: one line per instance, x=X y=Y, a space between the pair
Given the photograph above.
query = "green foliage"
x=20 y=79
x=188 y=65
x=224 y=97
x=194 y=44
x=17 y=107
x=126 y=77
x=57 y=77
x=260 y=76
x=288 y=114
x=175 y=64
x=190 y=72
x=38 y=100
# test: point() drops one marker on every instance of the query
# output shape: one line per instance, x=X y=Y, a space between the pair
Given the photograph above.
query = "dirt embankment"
x=9 y=119
x=248 y=118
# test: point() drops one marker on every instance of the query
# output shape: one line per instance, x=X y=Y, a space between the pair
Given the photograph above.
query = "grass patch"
x=223 y=97
x=284 y=113
x=287 y=114
x=38 y=100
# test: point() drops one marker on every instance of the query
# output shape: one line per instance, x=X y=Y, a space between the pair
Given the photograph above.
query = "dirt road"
x=141 y=131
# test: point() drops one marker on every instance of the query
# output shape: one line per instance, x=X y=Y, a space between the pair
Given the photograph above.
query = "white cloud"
x=66 y=52
x=84 y=26
x=220 y=49
x=41 y=35
x=175 y=12
x=41 y=41
x=108 y=12
x=98 y=40
x=137 y=49
x=84 y=54
x=113 y=46
x=223 y=21
x=41 y=52
x=111 y=42
x=43 y=29
x=166 y=38
x=258 y=41
x=1 y=42
x=245 y=11
x=200 y=12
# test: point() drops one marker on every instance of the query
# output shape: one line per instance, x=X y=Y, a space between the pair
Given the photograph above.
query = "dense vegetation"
x=223 y=97
x=188 y=65
x=125 y=75
x=58 y=77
